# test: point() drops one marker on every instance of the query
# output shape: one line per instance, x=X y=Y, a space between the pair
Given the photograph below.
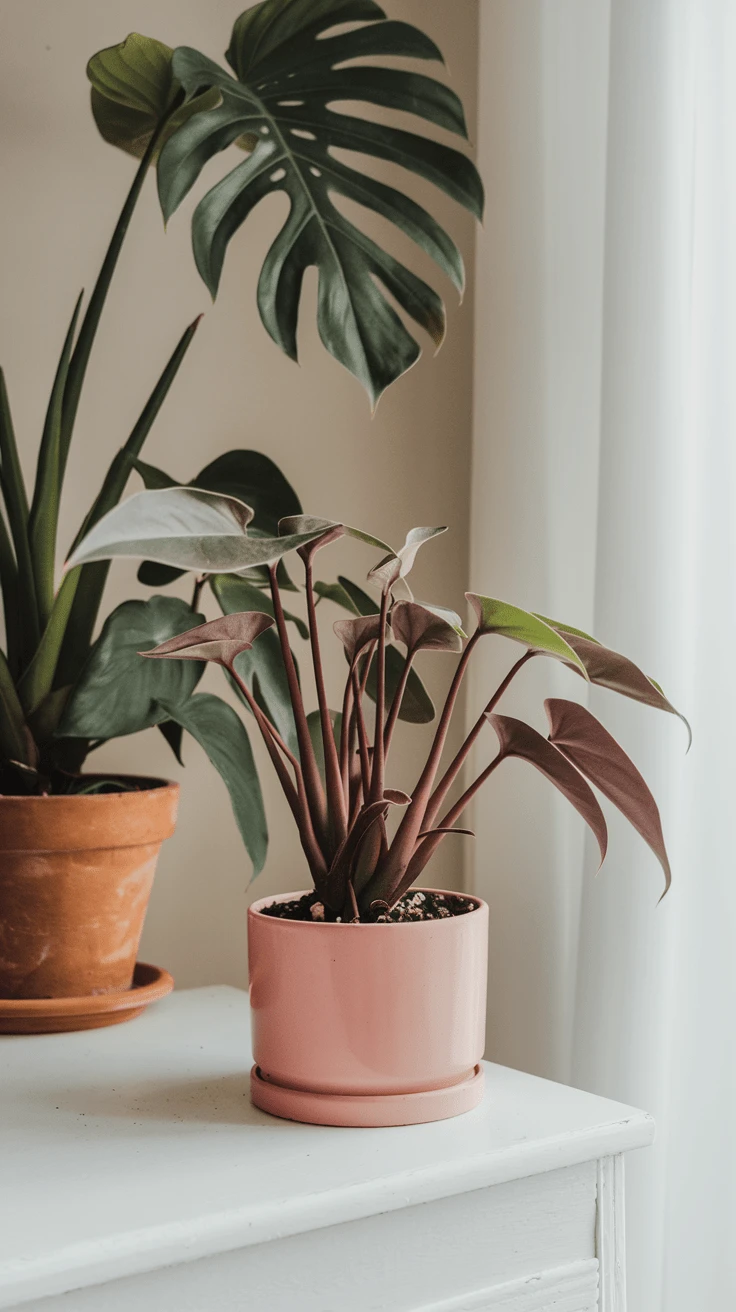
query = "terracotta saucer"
x=56 y=1015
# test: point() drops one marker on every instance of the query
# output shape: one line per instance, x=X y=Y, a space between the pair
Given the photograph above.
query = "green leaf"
x=218 y=729
x=337 y=593
x=38 y=678
x=583 y=740
x=16 y=503
x=119 y=693
x=261 y=668
x=519 y=739
x=85 y=608
x=134 y=91
x=16 y=743
x=44 y=514
x=362 y=603
x=173 y=733
x=399 y=563
x=182 y=526
x=11 y=600
x=521 y=626
x=313 y=524
x=285 y=93
x=314 y=725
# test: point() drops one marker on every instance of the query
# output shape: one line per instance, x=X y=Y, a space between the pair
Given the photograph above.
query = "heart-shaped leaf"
x=609 y=669
x=522 y=626
x=117 y=693
x=219 y=640
x=248 y=475
x=519 y=739
x=219 y=730
x=185 y=527
x=357 y=633
x=288 y=77
x=584 y=741
x=314 y=525
x=399 y=563
x=261 y=668
x=422 y=629
x=134 y=92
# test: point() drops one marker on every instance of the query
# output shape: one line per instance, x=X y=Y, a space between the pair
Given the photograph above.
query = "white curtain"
x=604 y=493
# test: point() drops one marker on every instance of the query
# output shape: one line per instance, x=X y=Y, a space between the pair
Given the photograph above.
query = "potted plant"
x=61 y=693
x=368 y=998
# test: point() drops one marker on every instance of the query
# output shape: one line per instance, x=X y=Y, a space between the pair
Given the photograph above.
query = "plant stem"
x=378 y=763
x=391 y=871
x=448 y=778
x=398 y=697
x=312 y=782
x=337 y=811
x=197 y=592
x=428 y=845
x=346 y=730
x=365 y=760
x=295 y=796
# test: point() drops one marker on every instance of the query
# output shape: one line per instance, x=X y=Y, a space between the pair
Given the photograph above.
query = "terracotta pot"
x=367 y=1024
x=75 y=878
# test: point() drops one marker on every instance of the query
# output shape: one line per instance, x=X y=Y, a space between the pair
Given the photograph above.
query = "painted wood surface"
x=134 y=1149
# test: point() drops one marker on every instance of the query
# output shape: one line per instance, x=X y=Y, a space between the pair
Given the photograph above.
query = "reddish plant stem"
x=452 y=771
x=336 y=805
x=398 y=697
x=295 y=796
x=428 y=845
x=378 y=763
x=198 y=585
x=365 y=761
x=312 y=782
x=346 y=735
x=392 y=870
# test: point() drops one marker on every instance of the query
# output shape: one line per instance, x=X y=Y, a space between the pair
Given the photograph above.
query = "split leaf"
x=290 y=77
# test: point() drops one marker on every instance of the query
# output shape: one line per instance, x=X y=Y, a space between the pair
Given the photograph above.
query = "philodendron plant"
x=173 y=110
x=331 y=765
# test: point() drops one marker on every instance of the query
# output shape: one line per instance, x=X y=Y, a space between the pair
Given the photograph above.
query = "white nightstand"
x=134 y=1172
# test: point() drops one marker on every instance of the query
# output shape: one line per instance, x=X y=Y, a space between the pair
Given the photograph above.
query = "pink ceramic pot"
x=367 y=1024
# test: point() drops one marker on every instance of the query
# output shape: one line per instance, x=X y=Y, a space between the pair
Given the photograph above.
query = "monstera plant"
x=278 y=110
x=280 y=104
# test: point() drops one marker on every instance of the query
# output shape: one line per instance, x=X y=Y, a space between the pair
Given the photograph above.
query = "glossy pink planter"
x=367 y=1024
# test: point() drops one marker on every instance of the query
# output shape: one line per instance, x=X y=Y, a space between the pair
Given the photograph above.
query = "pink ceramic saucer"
x=367 y=1109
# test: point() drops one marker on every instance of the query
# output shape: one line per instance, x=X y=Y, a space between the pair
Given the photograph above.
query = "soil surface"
x=415 y=905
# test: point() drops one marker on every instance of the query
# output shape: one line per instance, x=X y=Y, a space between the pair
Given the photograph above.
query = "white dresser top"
x=135 y=1147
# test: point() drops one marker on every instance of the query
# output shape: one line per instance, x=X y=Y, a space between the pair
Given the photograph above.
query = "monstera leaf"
x=287 y=74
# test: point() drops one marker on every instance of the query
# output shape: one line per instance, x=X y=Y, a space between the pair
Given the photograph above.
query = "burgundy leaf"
x=519 y=739
x=611 y=670
x=357 y=633
x=220 y=640
x=421 y=629
x=590 y=747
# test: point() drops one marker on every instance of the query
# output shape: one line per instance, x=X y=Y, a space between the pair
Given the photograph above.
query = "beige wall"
x=61 y=190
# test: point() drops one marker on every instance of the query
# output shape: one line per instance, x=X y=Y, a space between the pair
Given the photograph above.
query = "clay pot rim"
x=256 y=907
x=157 y=786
